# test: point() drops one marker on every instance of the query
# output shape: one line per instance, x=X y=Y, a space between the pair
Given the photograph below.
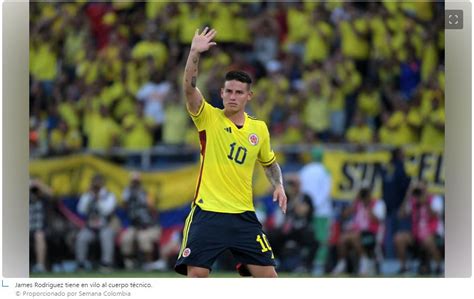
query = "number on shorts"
x=262 y=239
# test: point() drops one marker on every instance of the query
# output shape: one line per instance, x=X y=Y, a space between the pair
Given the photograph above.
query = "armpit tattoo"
x=193 y=81
x=274 y=175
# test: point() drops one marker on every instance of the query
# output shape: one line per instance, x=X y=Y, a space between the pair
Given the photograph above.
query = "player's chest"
x=238 y=144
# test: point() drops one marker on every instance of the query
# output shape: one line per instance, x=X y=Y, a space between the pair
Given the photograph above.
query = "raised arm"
x=201 y=43
x=275 y=177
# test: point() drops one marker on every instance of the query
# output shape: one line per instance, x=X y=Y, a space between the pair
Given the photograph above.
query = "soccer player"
x=222 y=215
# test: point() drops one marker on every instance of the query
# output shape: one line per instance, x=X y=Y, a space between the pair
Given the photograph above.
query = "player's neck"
x=238 y=118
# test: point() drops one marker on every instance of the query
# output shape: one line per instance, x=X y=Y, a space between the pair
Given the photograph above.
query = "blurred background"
x=353 y=95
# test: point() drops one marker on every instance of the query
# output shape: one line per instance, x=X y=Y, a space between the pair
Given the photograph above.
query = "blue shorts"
x=208 y=234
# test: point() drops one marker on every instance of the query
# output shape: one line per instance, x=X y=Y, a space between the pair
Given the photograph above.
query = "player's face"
x=235 y=95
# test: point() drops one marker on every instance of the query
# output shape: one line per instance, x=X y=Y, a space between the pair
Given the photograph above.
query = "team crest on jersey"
x=253 y=138
x=186 y=252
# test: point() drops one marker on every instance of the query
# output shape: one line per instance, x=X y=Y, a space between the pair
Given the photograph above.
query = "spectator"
x=260 y=106
x=380 y=48
x=96 y=13
x=142 y=234
x=395 y=182
x=67 y=107
x=337 y=114
x=88 y=67
x=369 y=102
x=64 y=140
x=176 y=120
x=316 y=183
x=354 y=37
x=104 y=131
x=97 y=206
x=316 y=111
x=294 y=129
x=138 y=130
x=265 y=46
x=53 y=118
x=362 y=233
x=297 y=20
x=359 y=133
x=346 y=73
x=432 y=133
x=426 y=211
x=44 y=59
x=222 y=17
x=294 y=240
x=415 y=117
x=38 y=135
x=410 y=75
x=429 y=59
x=40 y=195
x=320 y=39
x=150 y=46
x=153 y=93
x=192 y=15
x=76 y=34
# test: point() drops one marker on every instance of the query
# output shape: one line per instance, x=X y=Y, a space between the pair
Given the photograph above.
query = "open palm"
x=202 y=42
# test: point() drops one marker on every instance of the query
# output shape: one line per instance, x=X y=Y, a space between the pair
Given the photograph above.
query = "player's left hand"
x=280 y=196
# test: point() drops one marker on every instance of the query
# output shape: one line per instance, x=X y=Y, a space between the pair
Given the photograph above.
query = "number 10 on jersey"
x=238 y=155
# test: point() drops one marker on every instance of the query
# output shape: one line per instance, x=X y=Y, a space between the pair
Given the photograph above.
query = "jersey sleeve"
x=203 y=117
x=266 y=156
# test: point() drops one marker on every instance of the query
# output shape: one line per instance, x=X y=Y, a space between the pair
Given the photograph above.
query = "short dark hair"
x=238 y=76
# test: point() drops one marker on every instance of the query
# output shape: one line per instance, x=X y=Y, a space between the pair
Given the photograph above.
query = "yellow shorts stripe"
x=187 y=224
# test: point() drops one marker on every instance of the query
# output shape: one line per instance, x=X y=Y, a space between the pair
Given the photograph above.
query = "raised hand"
x=203 y=41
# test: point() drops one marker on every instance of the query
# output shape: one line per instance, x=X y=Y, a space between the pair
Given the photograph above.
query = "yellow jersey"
x=228 y=157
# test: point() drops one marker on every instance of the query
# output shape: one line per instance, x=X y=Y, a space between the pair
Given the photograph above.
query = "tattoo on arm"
x=191 y=92
x=274 y=175
x=191 y=70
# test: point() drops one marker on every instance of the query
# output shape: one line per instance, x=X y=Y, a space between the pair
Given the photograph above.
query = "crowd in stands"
x=107 y=74
x=321 y=237
x=97 y=232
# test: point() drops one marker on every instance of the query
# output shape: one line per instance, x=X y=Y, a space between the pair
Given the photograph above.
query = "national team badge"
x=186 y=252
x=253 y=138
